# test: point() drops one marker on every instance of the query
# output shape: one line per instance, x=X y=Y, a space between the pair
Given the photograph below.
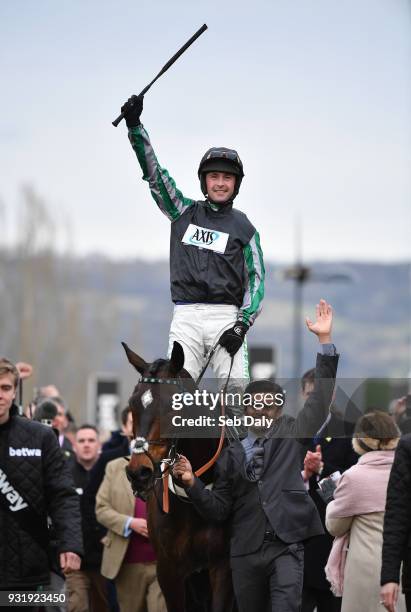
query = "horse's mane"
x=160 y=363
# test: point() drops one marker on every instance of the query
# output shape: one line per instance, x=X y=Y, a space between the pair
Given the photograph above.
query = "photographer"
x=35 y=484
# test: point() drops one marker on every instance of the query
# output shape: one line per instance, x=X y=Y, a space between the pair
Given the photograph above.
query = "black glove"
x=132 y=110
x=233 y=338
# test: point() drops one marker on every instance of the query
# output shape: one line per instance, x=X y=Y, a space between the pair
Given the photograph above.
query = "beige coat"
x=363 y=566
x=114 y=505
x=364 y=483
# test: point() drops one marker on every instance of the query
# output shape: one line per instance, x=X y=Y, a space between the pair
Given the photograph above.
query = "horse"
x=184 y=542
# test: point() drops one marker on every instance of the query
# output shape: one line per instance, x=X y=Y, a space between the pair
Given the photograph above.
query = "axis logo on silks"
x=205 y=238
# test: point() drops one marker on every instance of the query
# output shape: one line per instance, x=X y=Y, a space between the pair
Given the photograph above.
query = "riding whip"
x=166 y=67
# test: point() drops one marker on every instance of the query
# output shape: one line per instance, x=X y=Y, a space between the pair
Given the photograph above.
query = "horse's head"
x=151 y=402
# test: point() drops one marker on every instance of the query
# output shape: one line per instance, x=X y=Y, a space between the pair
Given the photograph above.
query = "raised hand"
x=323 y=323
x=25 y=370
x=132 y=110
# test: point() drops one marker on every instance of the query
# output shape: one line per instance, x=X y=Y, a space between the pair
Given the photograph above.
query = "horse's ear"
x=136 y=361
x=176 y=359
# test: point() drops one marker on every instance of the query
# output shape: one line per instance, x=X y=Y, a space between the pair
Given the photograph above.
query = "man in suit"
x=260 y=489
x=128 y=556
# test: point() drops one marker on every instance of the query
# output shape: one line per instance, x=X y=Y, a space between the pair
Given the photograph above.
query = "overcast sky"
x=314 y=94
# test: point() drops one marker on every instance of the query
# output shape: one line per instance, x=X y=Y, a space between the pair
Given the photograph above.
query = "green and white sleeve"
x=254 y=281
x=168 y=198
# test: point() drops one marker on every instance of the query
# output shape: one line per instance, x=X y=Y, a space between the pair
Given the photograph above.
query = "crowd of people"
x=319 y=512
x=51 y=472
x=73 y=525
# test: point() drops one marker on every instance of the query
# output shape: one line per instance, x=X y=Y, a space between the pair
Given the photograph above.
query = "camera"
x=327 y=486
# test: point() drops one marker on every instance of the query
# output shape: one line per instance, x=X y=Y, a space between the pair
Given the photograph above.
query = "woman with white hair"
x=356 y=516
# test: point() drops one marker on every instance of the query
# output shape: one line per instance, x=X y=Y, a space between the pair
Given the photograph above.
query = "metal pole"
x=298 y=310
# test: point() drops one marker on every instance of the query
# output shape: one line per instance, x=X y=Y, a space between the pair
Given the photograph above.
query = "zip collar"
x=219 y=209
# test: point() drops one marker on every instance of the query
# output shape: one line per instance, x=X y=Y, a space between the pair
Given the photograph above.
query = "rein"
x=213 y=459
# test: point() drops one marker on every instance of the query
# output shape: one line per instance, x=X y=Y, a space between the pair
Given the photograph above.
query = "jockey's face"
x=220 y=186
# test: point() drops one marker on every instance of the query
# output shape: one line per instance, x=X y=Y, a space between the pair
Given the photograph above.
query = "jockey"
x=216 y=261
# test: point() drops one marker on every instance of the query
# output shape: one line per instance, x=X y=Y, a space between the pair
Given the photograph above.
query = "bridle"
x=140 y=445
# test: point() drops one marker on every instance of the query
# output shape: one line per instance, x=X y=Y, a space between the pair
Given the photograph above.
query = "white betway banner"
x=12 y=496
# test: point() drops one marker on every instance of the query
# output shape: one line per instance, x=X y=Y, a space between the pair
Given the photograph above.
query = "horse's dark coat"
x=184 y=543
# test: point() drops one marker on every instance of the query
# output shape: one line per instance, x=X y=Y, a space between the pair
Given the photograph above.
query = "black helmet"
x=220 y=159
